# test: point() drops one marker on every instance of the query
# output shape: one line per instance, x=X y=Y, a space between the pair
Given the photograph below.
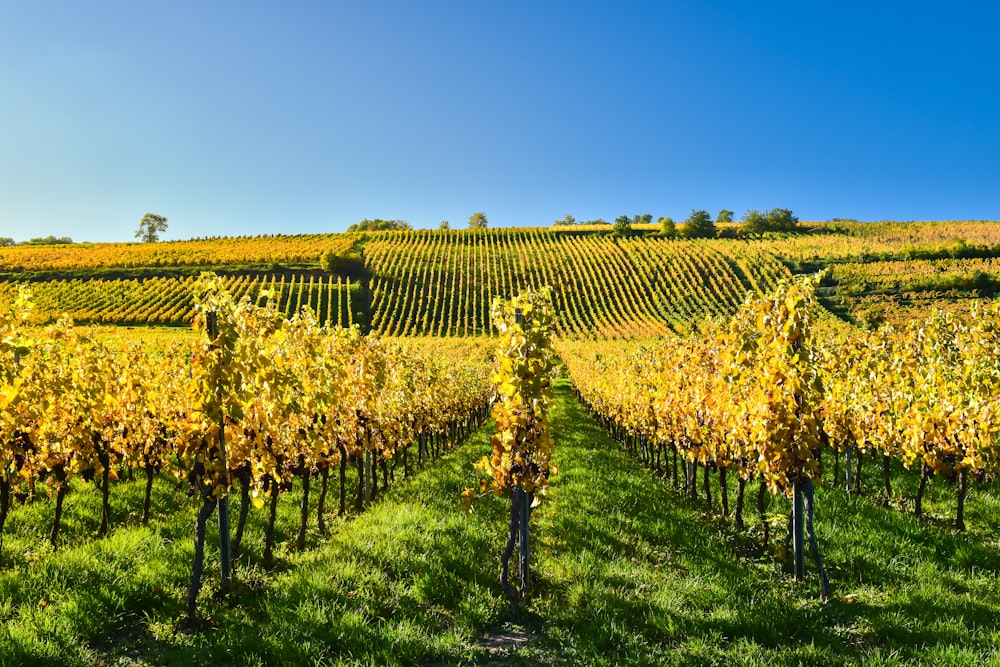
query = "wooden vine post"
x=522 y=447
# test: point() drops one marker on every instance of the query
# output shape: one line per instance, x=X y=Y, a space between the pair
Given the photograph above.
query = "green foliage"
x=725 y=215
x=478 y=221
x=781 y=220
x=622 y=226
x=753 y=223
x=873 y=317
x=644 y=219
x=49 y=240
x=667 y=228
x=150 y=228
x=978 y=281
x=6 y=242
x=378 y=225
x=699 y=225
x=327 y=261
x=567 y=220
x=444 y=225
x=629 y=572
x=955 y=249
x=756 y=223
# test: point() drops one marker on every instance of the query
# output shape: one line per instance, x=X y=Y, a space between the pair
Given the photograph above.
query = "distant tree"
x=644 y=219
x=327 y=260
x=725 y=215
x=379 y=225
x=150 y=227
x=753 y=223
x=595 y=221
x=622 y=225
x=781 y=220
x=667 y=228
x=699 y=225
x=6 y=241
x=478 y=221
x=567 y=220
x=48 y=240
x=444 y=225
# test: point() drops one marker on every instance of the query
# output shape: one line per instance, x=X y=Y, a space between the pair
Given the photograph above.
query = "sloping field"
x=442 y=282
x=239 y=250
x=433 y=283
x=168 y=300
x=626 y=570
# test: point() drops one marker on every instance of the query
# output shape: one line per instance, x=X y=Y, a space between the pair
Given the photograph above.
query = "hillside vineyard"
x=833 y=392
x=413 y=283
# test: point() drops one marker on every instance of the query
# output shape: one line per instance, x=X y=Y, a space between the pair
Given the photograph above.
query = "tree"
x=444 y=225
x=753 y=222
x=6 y=241
x=756 y=222
x=327 y=260
x=725 y=215
x=379 y=225
x=478 y=221
x=622 y=225
x=644 y=219
x=49 y=240
x=781 y=220
x=567 y=220
x=699 y=225
x=150 y=227
x=667 y=228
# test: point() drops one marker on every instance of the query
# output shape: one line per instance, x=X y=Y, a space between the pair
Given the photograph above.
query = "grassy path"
x=625 y=572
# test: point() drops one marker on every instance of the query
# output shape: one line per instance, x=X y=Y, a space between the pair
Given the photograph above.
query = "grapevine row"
x=263 y=402
x=169 y=300
x=440 y=283
x=765 y=401
x=243 y=250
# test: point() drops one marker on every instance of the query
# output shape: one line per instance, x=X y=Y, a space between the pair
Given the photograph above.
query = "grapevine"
x=522 y=447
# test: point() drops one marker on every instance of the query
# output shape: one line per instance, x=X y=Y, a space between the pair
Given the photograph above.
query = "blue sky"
x=264 y=117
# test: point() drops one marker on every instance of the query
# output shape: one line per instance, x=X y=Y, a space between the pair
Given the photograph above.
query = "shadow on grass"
x=625 y=571
x=639 y=573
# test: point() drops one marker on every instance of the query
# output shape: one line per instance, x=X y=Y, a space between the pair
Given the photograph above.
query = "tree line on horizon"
x=699 y=224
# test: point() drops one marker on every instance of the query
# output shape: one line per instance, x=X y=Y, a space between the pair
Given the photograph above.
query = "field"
x=354 y=399
x=629 y=571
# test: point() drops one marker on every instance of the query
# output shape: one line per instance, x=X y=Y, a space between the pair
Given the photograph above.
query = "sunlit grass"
x=625 y=571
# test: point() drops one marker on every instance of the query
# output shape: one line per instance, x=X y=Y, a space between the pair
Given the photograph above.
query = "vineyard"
x=642 y=386
x=169 y=301
x=253 y=251
x=437 y=284
x=441 y=284
x=418 y=283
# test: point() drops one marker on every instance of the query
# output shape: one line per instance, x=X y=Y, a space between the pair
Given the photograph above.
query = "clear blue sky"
x=263 y=117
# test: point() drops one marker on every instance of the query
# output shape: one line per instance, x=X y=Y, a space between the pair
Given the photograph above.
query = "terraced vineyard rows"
x=863 y=241
x=297 y=249
x=900 y=291
x=433 y=283
x=626 y=568
x=441 y=282
x=912 y=275
x=169 y=300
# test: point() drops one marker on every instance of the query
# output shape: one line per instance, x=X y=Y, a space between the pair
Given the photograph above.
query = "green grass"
x=625 y=571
